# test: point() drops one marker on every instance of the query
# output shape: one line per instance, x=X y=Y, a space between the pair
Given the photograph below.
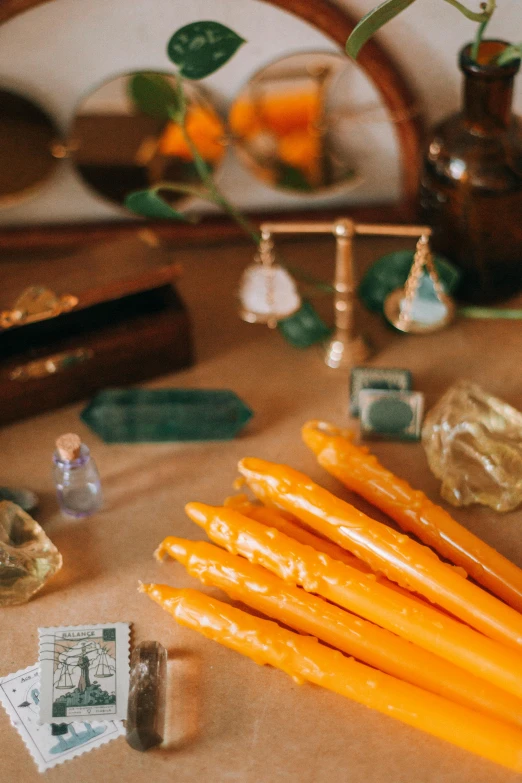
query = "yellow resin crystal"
x=28 y=558
x=473 y=442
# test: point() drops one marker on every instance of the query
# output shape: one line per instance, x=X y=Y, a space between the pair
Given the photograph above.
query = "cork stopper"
x=69 y=446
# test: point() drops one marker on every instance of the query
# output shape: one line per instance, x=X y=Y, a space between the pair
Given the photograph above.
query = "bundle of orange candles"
x=433 y=649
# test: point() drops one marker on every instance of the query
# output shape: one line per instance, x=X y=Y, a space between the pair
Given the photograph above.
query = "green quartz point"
x=161 y=415
x=303 y=328
x=147 y=696
x=28 y=558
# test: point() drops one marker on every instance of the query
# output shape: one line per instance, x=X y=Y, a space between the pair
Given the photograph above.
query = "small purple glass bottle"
x=76 y=477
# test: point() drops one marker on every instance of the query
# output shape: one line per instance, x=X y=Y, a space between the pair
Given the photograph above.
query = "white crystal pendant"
x=267 y=294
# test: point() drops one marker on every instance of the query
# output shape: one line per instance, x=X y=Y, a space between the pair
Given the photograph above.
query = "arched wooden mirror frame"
x=337 y=25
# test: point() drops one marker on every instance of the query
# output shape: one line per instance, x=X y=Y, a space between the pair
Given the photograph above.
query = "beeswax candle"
x=362 y=473
x=258 y=588
x=401 y=559
x=361 y=594
x=275 y=518
x=305 y=659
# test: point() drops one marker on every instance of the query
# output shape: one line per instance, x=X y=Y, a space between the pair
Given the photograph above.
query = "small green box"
x=391 y=415
x=387 y=378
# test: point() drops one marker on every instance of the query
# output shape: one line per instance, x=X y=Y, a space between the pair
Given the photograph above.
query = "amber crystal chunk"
x=473 y=442
x=28 y=558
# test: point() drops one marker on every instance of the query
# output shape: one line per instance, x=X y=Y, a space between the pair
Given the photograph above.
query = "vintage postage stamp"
x=84 y=672
x=50 y=744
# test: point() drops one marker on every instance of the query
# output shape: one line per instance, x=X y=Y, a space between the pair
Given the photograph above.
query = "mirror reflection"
x=293 y=126
x=29 y=148
x=286 y=124
x=122 y=139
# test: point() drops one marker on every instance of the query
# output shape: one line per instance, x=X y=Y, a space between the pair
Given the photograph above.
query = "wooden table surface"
x=232 y=721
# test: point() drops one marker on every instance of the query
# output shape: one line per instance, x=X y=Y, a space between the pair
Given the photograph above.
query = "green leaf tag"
x=303 y=328
x=153 y=94
x=200 y=48
x=372 y=22
x=150 y=205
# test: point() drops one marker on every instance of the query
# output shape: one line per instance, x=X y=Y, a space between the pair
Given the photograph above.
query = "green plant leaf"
x=200 y=48
x=510 y=53
x=304 y=328
x=150 y=205
x=372 y=22
x=153 y=94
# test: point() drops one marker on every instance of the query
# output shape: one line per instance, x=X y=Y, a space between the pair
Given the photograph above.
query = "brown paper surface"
x=232 y=721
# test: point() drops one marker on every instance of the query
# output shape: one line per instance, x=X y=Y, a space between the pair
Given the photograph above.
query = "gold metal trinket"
x=267 y=292
x=402 y=307
x=347 y=348
x=36 y=304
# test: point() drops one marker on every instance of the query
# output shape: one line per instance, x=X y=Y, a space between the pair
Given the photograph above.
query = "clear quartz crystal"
x=147 y=696
x=473 y=442
x=28 y=558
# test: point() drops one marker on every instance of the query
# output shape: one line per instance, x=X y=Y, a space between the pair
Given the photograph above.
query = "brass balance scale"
x=347 y=348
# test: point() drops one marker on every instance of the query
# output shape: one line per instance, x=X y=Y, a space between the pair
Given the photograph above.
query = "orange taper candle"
x=266 y=593
x=362 y=473
x=362 y=594
x=305 y=659
x=275 y=518
x=401 y=559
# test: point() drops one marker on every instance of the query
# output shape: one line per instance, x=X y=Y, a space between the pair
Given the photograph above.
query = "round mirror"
x=29 y=148
x=287 y=124
x=124 y=139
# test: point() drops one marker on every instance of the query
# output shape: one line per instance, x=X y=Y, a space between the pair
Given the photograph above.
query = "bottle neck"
x=82 y=459
x=488 y=90
x=487 y=103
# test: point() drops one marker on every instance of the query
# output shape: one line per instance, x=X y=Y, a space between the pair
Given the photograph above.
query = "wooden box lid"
x=94 y=273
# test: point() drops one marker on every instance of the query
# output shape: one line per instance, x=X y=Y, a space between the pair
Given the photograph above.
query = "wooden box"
x=126 y=323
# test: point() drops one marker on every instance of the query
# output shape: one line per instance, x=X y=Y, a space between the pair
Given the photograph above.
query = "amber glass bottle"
x=471 y=181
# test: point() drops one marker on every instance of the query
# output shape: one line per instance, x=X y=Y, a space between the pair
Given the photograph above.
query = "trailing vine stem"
x=179 y=116
x=475 y=16
x=389 y=9
x=489 y=10
x=212 y=193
